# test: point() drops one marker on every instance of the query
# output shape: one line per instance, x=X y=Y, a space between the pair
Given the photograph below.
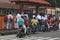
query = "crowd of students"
x=45 y=22
x=38 y=22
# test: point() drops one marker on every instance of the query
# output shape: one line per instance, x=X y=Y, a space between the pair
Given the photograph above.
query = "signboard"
x=49 y=11
x=53 y=12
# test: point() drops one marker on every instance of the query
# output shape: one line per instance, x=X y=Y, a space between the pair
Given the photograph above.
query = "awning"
x=39 y=1
x=34 y=1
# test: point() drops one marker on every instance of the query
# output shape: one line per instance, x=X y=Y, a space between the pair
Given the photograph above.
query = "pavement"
x=53 y=35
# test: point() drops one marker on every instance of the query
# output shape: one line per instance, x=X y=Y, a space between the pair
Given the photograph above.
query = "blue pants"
x=39 y=27
x=34 y=27
x=9 y=24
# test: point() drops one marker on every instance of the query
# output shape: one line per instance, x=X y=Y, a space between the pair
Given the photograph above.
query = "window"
x=58 y=13
x=14 y=11
x=42 y=11
x=2 y=11
x=29 y=12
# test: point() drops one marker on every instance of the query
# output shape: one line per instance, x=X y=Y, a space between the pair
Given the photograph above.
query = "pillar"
x=37 y=10
x=21 y=8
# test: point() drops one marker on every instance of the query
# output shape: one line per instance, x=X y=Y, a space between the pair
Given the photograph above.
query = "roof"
x=5 y=1
x=34 y=1
x=8 y=5
x=40 y=1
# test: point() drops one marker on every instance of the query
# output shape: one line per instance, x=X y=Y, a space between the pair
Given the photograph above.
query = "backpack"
x=25 y=22
x=20 y=22
x=10 y=19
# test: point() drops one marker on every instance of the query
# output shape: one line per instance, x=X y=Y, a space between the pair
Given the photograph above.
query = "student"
x=34 y=23
x=5 y=20
x=9 y=22
x=47 y=22
x=59 y=23
x=25 y=21
x=21 y=24
x=18 y=16
x=15 y=23
x=39 y=20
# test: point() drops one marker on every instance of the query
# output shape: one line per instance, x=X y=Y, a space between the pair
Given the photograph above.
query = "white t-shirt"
x=46 y=16
x=33 y=15
x=43 y=18
x=18 y=16
x=10 y=16
x=38 y=17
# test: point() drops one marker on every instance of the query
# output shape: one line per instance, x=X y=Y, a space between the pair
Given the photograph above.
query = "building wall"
x=6 y=6
x=58 y=12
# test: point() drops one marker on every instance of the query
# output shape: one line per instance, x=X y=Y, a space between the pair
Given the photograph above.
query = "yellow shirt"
x=34 y=22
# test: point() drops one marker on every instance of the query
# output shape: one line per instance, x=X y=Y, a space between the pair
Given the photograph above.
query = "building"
x=30 y=8
x=6 y=7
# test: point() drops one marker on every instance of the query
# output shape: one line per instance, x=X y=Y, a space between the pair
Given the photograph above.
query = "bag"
x=10 y=19
x=20 y=22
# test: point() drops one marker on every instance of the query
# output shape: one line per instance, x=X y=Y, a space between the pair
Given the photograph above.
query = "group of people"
x=19 y=21
x=48 y=21
x=37 y=22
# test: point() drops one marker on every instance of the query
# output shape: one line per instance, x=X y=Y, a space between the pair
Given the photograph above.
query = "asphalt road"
x=54 y=35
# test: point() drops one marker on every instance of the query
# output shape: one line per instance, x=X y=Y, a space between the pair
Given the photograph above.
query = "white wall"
x=51 y=11
x=58 y=12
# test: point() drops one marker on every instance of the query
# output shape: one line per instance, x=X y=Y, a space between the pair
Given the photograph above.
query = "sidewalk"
x=7 y=32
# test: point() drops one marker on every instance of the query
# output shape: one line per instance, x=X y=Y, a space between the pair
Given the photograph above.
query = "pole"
x=56 y=10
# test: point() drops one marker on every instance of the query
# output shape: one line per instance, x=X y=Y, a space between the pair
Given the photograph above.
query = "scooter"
x=20 y=33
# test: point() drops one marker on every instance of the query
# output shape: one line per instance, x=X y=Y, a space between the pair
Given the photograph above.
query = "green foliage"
x=54 y=3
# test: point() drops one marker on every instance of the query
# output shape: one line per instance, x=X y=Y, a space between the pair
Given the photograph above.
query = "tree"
x=54 y=3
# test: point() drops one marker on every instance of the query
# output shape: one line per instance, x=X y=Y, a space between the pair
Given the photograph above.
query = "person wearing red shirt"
x=51 y=21
x=59 y=23
x=47 y=22
x=25 y=21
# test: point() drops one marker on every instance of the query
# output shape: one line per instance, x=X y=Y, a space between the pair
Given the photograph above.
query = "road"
x=54 y=35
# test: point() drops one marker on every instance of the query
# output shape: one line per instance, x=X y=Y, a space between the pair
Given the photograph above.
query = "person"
x=51 y=21
x=34 y=23
x=38 y=17
x=21 y=24
x=54 y=18
x=18 y=16
x=9 y=22
x=59 y=23
x=48 y=24
x=15 y=24
x=5 y=20
x=21 y=28
x=43 y=18
x=25 y=21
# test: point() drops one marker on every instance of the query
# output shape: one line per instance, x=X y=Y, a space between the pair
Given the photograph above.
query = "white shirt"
x=46 y=16
x=33 y=15
x=38 y=17
x=43 y=18
x=10 y=16
x=18 y=16
x=21 y=19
